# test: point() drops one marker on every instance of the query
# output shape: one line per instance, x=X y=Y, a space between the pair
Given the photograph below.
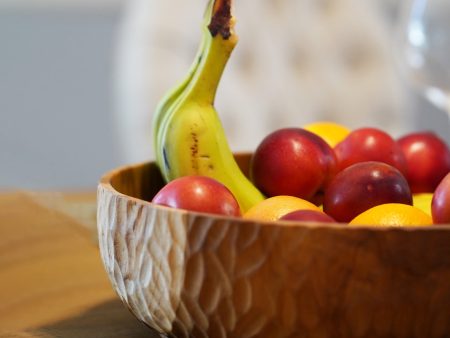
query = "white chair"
x=296 y=62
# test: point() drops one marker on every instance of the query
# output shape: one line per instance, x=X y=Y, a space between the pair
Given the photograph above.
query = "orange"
x=393 y=214
x=272 y=208
x=331 y=132
x=423 y=202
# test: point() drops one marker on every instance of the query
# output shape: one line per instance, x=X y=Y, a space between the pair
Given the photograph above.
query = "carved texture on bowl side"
x=143 y=260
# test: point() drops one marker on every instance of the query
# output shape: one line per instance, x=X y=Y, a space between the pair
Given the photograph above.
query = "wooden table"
x=52 y=281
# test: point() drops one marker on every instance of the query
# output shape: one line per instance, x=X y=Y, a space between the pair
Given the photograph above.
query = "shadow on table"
x=110 y=319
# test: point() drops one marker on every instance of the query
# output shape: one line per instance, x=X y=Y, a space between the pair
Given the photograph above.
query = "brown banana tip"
x=221 y=20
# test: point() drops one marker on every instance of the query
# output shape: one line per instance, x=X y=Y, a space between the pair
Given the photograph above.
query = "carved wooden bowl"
x=188 y=274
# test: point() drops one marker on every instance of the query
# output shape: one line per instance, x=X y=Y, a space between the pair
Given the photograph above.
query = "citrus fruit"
x=273 y=208
x=423 y=202
x=331 y=132
x=393 y=214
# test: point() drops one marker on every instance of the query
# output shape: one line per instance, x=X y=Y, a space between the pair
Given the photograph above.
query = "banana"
x=190 y=139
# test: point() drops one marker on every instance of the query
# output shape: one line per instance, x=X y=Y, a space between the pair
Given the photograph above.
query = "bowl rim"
x=105 y=183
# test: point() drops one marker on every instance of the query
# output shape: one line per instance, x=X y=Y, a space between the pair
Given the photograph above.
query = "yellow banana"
x=190 y=138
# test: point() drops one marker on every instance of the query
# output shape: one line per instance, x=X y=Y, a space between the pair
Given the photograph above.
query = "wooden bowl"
x=188 y=274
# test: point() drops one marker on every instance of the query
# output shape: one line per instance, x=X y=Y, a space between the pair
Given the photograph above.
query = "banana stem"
x=221 y=20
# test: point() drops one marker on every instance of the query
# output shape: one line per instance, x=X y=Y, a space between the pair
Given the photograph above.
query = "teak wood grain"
x=52 y=282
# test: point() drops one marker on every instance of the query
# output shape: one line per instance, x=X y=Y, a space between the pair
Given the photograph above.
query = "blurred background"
x=79 y=79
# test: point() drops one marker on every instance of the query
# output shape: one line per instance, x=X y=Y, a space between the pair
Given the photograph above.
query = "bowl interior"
x=144 y=180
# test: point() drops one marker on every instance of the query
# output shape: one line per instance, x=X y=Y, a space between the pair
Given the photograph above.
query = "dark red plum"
x=308 y=216
x=440 y=204
x=363 y=186
x=370 y=144
x=428 y=159
x=292 y=161
x=198 y=193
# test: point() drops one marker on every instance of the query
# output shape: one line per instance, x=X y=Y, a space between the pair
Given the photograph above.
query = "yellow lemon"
x=423 y=202
x=272 y=208
x=393 y=214
x=331 y=132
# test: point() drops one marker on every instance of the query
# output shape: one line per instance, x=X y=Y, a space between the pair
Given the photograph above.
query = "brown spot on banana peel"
x=194 y=151
x=221 y=20
x=195 y=157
